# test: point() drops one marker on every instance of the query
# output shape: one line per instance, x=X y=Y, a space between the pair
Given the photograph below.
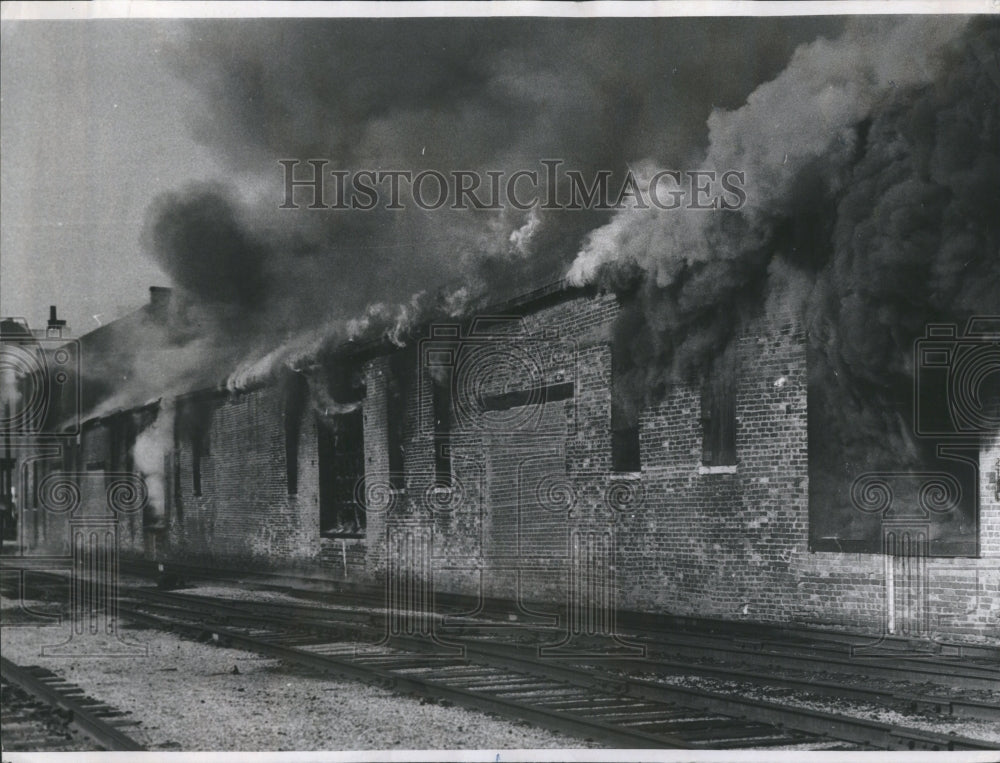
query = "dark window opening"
x=441 y=401
x=844 y=459
x=196 y=465
x=193 y=425
x=122 y=431
x=292 y=465
x=117 y=437
x=625 y=453
x=8 y=513
x=718 y=416
x=400 y=372
x=341 y=471
x=625 y=448
x=175 y=462
x=200 y=443
x=126 y=435
x=296 y=396
x=178 y=500
x=200 y=449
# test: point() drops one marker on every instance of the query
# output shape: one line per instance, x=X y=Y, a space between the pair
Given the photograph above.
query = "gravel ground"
x=199 y=703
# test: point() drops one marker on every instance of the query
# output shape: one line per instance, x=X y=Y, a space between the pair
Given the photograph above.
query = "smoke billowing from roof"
x=873 y=180
x=800 y=138
x=871 y=165
x=198 y=238
x=869 y=153
x=443 y=95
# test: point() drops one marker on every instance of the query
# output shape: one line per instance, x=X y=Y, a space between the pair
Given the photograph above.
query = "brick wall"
x=535 y=510
x=730 y=542
x=244 y=514
x=47 y=527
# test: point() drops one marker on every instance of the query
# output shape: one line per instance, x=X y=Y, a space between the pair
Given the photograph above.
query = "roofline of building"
x=550 y=294
x=545 y=296
x=95 y=420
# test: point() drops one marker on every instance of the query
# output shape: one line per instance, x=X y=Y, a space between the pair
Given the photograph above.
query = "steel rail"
x=812 y=722
x=318 y=616
x=836 y=654
x=846 y=728
x=788 y=657
x=308 y=616
x=327 y=664
x=829 y=650
x=102 y=732
x=630 y=620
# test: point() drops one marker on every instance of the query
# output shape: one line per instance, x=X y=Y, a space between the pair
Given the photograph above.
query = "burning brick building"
x=784 y=412
x=490 y=456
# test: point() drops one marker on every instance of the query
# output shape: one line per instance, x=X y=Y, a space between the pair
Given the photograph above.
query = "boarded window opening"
x=538 y=395
x=341 y=470
x=718 y=414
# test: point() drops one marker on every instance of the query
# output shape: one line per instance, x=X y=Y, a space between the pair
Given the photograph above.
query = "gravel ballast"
x=985 y=731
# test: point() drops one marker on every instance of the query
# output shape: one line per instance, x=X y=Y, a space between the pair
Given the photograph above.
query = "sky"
x=93 y=125
x=99 y=118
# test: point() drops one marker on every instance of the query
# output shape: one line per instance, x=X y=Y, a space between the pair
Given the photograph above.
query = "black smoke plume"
x=870 y=152
x=443 y=94
x=873 y=185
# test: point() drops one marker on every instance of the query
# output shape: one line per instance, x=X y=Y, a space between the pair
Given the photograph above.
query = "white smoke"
x=10 y=395
x=152 y=447
x=520 y=239
x=807 y=112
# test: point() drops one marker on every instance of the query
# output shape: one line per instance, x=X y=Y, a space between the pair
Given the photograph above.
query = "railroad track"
x=964 y=666
x=966 y=674
x=754 y=659
x=670 y=652
x=518 y=685
x=561 y=696
x=42 y=712
x=554 y=697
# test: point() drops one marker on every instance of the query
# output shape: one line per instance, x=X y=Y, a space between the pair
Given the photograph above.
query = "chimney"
x=55 y=326
x=159 y=300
